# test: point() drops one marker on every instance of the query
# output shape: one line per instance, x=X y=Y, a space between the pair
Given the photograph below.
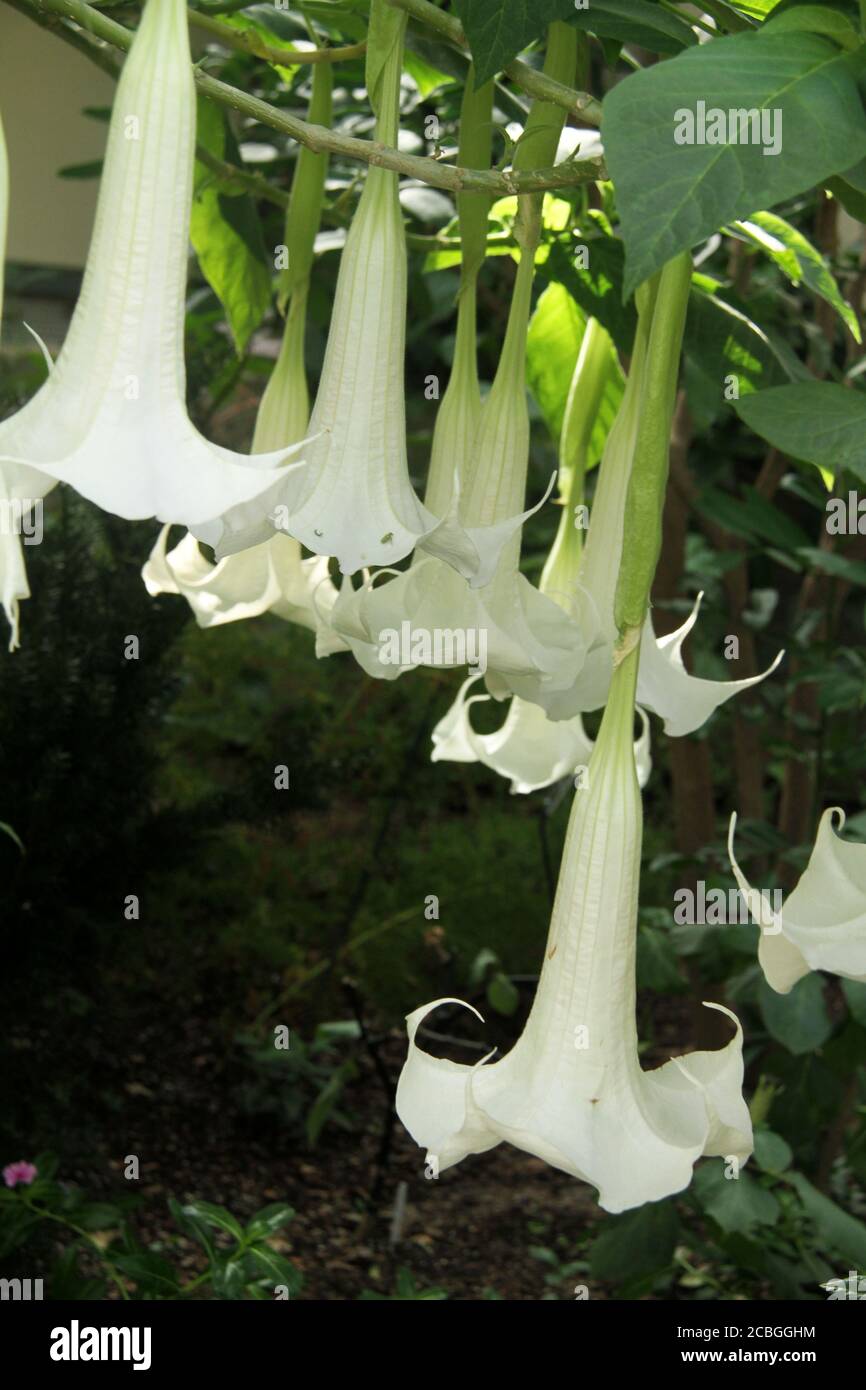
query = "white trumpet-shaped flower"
x=822 y=922
x=572 y=1091
x=21 y=488
x=354 y=499
x=664 y=687
x=529 y=748
x=520 y=629
x=272 y=576
x=268 y=577
x=111 y=418
x=524 y=632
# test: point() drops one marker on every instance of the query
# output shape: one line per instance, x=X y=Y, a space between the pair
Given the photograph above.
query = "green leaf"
x=797 y=258
x=217 y=1217
x=636 y=1244
x=502 y=995
x=227 y=235
x=275 y=1267
x=229 y=1277
x=97 y=1216
x=835 y=1227
x=426 y=78
x=633 y=21
x=91 y=170
x=671 y=196
x=855 y=996
x=721 y=341
x=187 y=1221
x=817 y=421
x=819 y=19
x=556 y=332
x=148 y=1271
x=324 y=1103
x=6 y=828
x=772 y=1152
x=269 y=1220
x=735 y=1204
x=752 y=517
x=597 y=288
x=799 y=1020
x=498 y=30
x=839 y=566
x=657 y=961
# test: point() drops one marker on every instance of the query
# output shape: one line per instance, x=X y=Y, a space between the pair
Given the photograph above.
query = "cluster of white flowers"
x=111 y=422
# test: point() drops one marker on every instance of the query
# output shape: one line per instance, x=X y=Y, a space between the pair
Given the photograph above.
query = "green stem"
x=642 y=528
x=85 y=1235
x=320 y=139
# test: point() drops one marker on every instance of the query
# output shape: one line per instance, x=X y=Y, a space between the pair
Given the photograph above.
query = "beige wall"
x=44 y=86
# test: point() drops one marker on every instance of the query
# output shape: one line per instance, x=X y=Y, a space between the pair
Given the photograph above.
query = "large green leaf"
x=227 y=235
x=498 y=30
x=736 y=1204
x=817 y=421
x=597 y=287
x=797 y=258
x=671 y=196
x=721 y=341
x=799 y=1020
x=633 y=21
x=837 y=1229
x=636 y=1244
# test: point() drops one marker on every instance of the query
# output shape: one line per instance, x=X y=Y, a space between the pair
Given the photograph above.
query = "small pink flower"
x=21 y=1172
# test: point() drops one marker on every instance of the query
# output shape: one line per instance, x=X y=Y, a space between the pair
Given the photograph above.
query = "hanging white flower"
x=21 y=488
x=111 y=419
x=822 y=923
x=572 y=1091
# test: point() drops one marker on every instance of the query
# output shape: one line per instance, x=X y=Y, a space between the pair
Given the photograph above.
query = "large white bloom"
x=354 y=499
x=270 y=576
x=111 y=419
x=665 y=687
x=822 y=923
x=529 y=748
x=21 y=488
x=572 y=1090
x=524 y=631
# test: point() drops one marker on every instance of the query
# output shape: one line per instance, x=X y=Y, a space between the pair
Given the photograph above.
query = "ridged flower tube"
x=523 y=630
x=572 y=1091
x=270 y=576
x=529 y=748
x=111 y=419
x=20 y=487
x=355 y=500
x=822 y=922
x=459 y=414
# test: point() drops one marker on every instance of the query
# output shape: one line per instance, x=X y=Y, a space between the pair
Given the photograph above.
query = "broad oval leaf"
x=672 y=195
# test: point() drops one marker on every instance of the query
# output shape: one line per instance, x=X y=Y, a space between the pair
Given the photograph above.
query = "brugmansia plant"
x=324 y=525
